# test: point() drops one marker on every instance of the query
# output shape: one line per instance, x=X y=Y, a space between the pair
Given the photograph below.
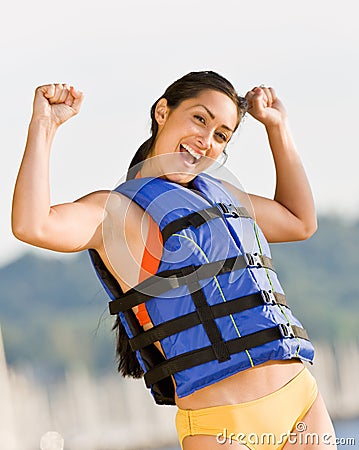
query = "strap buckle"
x=286 y=330
x=254 y=259
x=269 y=297
x=229 y=209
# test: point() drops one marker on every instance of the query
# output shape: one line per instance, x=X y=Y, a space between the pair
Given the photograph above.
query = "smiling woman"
x=198 y=129
x=200 y=312
x=186 y=94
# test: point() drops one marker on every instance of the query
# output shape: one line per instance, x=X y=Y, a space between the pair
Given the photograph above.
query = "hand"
x=56 y=102
x=265 y=106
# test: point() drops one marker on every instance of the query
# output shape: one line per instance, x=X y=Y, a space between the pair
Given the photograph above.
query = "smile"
x=196 y=156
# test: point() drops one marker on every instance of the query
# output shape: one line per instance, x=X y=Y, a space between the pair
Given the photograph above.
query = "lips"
x=189 y=154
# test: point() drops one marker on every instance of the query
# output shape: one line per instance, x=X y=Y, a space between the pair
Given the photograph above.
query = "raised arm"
x=68 y=227
x=290 y=215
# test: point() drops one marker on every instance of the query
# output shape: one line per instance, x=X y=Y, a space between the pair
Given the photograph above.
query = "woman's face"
x=191 y=136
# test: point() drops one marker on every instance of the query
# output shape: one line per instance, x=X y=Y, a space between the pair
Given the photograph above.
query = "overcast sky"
x=124 y=54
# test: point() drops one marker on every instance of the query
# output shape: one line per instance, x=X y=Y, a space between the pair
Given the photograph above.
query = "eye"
x=222 y=136
x=200 y=119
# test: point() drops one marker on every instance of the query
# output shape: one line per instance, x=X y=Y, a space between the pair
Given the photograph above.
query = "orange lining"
x=151 y=259
x=149 y=265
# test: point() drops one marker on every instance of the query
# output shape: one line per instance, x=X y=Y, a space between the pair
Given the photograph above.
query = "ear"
x=161 y=111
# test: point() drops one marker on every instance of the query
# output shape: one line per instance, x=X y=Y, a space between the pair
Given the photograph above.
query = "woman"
x=180 y=293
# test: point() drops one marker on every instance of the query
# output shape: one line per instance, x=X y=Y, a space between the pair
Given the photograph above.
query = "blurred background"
x=59 y=372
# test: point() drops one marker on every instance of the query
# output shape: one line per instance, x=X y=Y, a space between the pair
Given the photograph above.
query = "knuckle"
x=42 y=87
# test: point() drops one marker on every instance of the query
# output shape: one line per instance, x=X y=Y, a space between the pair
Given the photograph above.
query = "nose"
x=204 y=139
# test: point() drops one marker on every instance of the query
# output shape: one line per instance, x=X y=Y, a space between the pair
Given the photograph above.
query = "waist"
x=244 y=386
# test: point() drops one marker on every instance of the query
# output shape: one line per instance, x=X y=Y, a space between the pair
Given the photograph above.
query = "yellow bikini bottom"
x=263 y=424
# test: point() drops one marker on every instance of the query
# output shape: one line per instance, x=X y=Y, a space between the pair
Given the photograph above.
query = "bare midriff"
x=244 y=386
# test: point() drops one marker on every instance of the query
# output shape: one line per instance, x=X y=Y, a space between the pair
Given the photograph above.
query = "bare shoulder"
x=110 y=202
x=113 y=210
x=120 y=217
x=96 y=198
x=107 y=203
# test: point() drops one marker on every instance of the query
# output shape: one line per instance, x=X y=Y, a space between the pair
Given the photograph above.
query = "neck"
x=151 y=169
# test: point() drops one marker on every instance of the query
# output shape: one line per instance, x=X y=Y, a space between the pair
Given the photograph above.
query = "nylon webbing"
x=206 y=317
x=171 y=279
x=198 y=218
x=192 y=319
x=206 y=354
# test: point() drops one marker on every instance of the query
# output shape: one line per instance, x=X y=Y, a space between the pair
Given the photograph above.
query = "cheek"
x=179 y=129
x=217 y=150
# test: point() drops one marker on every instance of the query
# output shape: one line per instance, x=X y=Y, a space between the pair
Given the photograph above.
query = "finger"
x=273 y=94
x=51 y=92
x=72 y=96
x=60 y=93
x=69 y=99
x=75 y=92
x=48 y=90
x=64 y=93
x=268 y=95
x=249 y=97
x=256 y=98
x=259 y=98
x=78 y=97
x=249 y=94
x=56 y=93
x=259 y=92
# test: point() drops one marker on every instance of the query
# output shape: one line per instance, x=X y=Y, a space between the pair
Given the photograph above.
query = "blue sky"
x=124 y=54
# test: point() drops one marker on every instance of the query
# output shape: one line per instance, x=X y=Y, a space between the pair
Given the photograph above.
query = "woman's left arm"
x=290 y=215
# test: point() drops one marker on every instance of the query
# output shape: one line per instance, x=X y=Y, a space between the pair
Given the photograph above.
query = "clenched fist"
x=265 y=106
x=56 y=102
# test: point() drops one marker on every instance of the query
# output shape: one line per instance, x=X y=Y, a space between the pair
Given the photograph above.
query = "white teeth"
x=191 y=152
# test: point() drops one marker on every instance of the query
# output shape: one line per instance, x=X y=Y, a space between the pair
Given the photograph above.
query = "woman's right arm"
x=68 y=227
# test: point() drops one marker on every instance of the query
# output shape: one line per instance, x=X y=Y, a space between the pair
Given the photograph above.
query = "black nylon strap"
x=190 y=320
x=300 y=332
x=171 y=279
x=198 y=218
x=206 y=354
x=205 y=315
x=234 y=211
x=290 y=331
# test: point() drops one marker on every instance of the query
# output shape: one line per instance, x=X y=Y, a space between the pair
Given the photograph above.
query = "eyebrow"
x=212 y=116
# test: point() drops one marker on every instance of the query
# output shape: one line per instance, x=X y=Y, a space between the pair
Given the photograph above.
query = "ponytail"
x=145 y=149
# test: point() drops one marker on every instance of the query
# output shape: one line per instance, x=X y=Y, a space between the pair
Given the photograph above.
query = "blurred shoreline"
x=95 y=413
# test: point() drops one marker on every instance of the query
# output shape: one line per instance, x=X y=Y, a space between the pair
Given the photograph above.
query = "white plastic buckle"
x=286 y=330
x=269 y=297
x=254 y=259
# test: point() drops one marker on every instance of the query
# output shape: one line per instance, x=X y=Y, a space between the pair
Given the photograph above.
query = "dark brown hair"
x=189 y=86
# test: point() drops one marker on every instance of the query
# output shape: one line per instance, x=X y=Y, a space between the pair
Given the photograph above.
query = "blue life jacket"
x=215 y=302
